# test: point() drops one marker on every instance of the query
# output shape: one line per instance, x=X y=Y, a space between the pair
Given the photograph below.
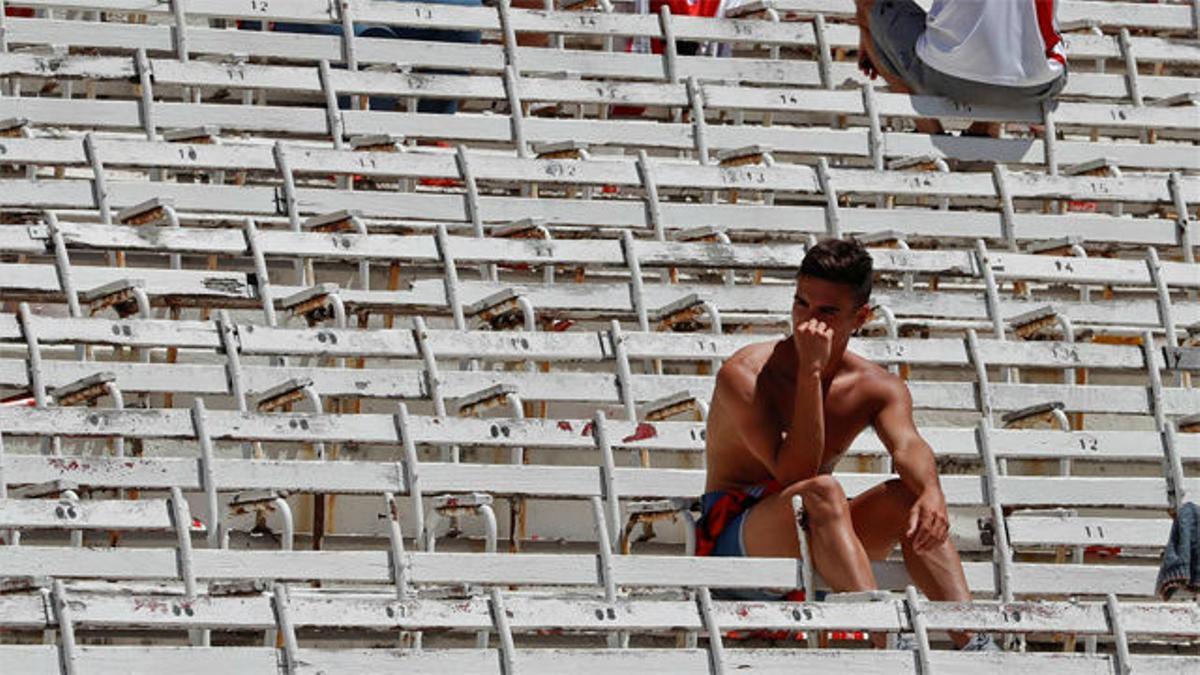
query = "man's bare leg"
x=983 y=130
x=880 y=517
x=770 y=531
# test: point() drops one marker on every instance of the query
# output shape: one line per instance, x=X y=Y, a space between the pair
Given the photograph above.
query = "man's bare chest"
x=845 y=416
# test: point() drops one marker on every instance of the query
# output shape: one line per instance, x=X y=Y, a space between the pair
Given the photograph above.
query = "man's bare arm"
x=911 y=455
x=797 y=456
x=739 y=408
x=913 y=460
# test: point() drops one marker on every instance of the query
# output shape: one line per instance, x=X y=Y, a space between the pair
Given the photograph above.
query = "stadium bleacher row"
x=291 y=383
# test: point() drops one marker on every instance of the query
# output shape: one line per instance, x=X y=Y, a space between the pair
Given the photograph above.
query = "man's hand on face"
x=928 y=525
x=814 y=342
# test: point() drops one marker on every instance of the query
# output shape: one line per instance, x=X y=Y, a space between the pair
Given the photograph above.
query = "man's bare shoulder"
x=739 y=374
x=880 y=385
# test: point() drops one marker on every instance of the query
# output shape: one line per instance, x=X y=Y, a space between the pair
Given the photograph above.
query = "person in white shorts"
x=1005 y=52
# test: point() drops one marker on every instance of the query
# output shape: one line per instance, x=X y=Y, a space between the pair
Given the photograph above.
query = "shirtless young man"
x=782 y=415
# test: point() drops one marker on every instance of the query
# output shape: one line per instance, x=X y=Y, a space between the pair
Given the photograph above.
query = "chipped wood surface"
x=63 y=514
x=200 y=660
x=481 y=57
x=527 y=613
x=537 y=569
x=254 y=339
x=735 y=30
x=609 y=300
x=571 y=386
x=607 y=170
x=549 y=433
x=311 y=121
x=491 y=87
x=373 y=478
x=547 y=481
x=1080 y=531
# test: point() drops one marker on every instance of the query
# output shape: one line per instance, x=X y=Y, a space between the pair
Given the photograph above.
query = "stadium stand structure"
x=435 y=387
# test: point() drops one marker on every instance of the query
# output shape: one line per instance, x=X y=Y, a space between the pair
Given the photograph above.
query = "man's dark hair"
x=841 y=261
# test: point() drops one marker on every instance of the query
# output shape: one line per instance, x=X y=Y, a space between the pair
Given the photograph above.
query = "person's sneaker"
x=981 y=642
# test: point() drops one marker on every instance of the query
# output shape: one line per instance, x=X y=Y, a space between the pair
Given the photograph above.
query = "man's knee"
x=824 y=499
x=901 y=493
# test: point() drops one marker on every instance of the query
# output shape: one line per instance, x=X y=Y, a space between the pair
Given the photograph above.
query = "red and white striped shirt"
x=1014 y=43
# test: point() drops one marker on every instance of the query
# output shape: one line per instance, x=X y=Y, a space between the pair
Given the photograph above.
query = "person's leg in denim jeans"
x=306 y=29
x=439 y=106
x=377 y=102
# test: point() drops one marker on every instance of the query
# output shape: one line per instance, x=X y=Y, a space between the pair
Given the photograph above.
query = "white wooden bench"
x=71 y=513
x=605 y=485
x=332 y=122
x=1017 y=578
x=119 y=115
x=436 y=251
x=368 y=568
x=739 y=304
x=417 y=478
x=445 y=253
x=683 y=28
x=126 y=152
x=42 y=659
x=293 y=609
x=1019 y=192
x=664 y=302
x=199 y=40
x=618 y=350
x=98 y=609
x=788 y=105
